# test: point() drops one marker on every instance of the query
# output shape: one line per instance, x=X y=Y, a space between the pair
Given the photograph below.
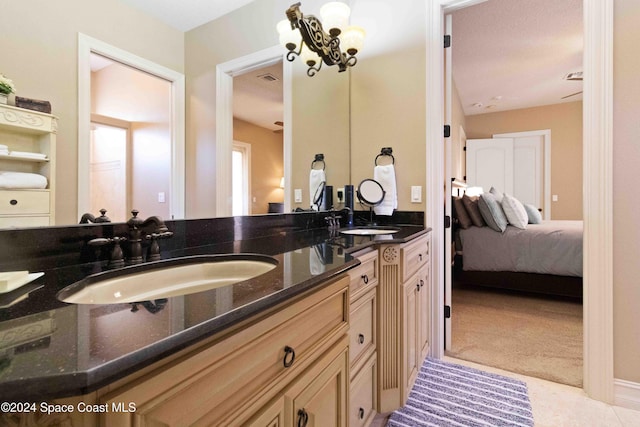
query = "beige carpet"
x=535 y=336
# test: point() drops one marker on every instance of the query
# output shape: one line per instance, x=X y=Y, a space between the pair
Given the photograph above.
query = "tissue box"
x=33 y=104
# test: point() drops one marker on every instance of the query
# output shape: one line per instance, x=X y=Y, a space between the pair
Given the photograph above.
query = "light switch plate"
x=297 y=195
x=161 y=198
x=554 y=198
x=416 y=194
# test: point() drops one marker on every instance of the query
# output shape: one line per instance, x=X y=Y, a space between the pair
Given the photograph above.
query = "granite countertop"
x=50 y=349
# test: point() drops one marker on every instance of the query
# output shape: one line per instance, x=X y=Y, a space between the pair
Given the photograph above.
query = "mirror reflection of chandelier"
x=304 y=36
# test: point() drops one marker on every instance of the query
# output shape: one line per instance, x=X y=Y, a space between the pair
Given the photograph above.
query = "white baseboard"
x=626 y=394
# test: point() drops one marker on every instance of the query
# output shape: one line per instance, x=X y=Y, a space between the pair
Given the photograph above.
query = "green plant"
x=6 y=85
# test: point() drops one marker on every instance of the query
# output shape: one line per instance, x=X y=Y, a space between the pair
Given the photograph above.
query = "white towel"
x=316 y=179
x=386 y=176
x=22 y=180
x=28 y=155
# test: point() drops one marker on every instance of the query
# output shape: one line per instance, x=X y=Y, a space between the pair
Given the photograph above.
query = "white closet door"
x=490 y=164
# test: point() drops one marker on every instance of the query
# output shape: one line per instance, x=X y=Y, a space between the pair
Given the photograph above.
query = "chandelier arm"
x=312 y=71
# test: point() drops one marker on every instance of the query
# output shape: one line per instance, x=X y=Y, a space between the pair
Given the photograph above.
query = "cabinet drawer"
x=24 y=202
x=414 y=256
x=363 y=395
x=24 y=221
x=364 y=276
x=244 y=370
x=362 y=331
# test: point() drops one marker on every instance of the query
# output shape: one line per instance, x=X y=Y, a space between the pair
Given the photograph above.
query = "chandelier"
x=305 y=37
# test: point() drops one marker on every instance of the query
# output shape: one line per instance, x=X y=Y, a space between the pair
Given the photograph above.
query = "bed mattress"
x=552 y=247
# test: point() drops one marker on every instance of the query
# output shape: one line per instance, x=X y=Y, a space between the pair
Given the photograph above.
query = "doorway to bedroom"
x=495 y=68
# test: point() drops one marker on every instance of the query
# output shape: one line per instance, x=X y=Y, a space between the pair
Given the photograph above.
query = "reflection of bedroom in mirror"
x=257 y=154
x=515 y=288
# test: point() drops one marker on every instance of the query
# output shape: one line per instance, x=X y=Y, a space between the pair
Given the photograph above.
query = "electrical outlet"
x=161 y=198
x=416 y=194
x=554 y=198
x=297 y=195
x=340 y=194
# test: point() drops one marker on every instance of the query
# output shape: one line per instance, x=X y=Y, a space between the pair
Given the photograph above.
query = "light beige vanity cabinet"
x=285 y=365
x=404 y=291
x=363 y=338
x=28 y=131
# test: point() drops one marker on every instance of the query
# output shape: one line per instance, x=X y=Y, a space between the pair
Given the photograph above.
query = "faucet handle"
x=116 y=259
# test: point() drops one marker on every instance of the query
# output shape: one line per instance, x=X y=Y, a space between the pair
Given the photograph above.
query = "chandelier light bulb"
x=352 y=39
x=335 y=17
x=289 y=37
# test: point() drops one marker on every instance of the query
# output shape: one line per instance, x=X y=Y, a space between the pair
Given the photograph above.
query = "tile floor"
x=559 y=405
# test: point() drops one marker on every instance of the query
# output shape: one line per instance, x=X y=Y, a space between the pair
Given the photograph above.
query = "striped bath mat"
x=447 y=394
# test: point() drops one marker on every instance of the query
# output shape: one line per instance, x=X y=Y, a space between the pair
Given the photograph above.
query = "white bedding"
x=553 y=247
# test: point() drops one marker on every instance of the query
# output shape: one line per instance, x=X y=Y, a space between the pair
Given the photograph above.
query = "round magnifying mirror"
x=317 y=195
x=370 y=192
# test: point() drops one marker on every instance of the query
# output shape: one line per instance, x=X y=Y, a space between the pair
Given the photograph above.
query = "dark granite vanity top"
x=50 y=349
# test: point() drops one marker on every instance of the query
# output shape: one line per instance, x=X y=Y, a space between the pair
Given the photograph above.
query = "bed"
x=542 y=258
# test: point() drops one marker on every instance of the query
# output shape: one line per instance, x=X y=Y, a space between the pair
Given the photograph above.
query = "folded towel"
x=386 y=176
x=4 y=152
x=28 y=154
x=4 y=147
x=316 y=179
x=22 y=180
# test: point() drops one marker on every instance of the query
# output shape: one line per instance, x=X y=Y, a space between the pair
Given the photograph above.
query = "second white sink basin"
x=167 y=278
x=368 y=231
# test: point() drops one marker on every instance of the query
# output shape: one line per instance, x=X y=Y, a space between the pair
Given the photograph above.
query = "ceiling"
x=510 y=54
x=507 y=54
x=186 y=15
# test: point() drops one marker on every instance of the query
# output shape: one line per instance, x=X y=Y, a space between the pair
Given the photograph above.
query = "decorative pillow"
x=471 y=203
x=460 y=212
x=515 y=212
x=533 y=214
x=492 y=212
x=496 y=193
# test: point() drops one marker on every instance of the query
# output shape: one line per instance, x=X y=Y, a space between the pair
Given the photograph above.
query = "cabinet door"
x=411 y=297
x=320 y=400
x=272 y=416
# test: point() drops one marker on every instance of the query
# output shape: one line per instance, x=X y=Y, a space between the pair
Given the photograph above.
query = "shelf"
x=23 y=159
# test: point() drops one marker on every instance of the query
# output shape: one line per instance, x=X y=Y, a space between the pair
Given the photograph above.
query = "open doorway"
x=130 y=141
x=258 y=140
x=485 y=116
x=117 y=85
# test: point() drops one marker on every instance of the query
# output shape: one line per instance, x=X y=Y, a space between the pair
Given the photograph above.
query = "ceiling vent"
x=577 y=75
x=268 y=77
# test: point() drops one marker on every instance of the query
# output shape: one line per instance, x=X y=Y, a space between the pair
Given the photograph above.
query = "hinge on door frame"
x=447 y=221
x=447 y=131
x=447 y=41
x=447 y=311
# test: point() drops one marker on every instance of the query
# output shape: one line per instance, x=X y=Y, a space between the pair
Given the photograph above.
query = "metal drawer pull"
x=361 y=413
x=365 y=279
x=421 y=283
x=420 y=257
x=303 y=418
x=288 y=361
x=13 y=202
x=361 y=338
x=418 y=287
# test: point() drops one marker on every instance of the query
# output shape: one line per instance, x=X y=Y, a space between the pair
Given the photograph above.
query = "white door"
x=490 y=164
x=531 y=168
x=448 y=173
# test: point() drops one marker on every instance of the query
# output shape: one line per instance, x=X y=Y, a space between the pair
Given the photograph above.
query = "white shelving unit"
x=32 y=132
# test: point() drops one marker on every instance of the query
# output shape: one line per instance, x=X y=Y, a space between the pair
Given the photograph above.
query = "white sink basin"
x=167 y=278
x=368 y=231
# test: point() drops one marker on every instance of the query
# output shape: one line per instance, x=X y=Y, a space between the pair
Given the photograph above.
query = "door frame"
x=88 y=45
x=597 y=186
x=224 y=120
